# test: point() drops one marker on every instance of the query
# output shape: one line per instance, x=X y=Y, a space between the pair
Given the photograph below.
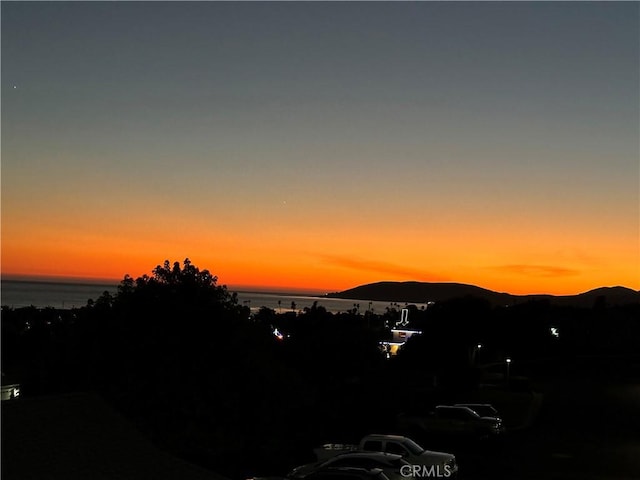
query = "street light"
x=508 y=362
x=474 y=354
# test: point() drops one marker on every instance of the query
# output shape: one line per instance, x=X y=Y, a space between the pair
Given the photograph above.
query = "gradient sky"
x=318 y=146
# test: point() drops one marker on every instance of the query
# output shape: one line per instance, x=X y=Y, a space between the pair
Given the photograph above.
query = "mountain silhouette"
x=423 y=292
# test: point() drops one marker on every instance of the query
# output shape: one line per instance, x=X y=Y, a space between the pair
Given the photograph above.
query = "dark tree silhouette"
x=176 y=353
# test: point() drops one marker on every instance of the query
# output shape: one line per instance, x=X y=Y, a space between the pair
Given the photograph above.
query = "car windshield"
x=482 y=410
x=413 y=447
x=485 y=411
x=457 y=413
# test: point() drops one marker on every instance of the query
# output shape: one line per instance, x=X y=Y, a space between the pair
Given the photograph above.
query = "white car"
x=439 y=464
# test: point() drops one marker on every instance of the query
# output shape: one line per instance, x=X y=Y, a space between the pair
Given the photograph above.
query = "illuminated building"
x=398 y=339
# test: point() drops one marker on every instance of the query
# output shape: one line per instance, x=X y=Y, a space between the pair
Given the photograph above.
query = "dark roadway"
x=588 y=428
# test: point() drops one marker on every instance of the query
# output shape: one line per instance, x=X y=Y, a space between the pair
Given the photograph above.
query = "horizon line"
x=104 y=281
x=275 y=290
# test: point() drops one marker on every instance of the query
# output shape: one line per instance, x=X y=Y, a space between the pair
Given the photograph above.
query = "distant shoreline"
x=67 y=282
x=425 y=292
x=67 y=294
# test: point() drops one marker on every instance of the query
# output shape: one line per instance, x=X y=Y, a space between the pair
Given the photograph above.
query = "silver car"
x=482 y=409
x=389 y=463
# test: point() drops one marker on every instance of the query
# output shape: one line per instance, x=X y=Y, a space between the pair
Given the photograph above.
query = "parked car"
x=266 y=478
x=451 y=420
x=347 y=474
x=482 y=409
x=442 y=463
x=389 y=463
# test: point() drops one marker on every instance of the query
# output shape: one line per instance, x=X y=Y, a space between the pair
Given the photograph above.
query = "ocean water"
x=18 y=294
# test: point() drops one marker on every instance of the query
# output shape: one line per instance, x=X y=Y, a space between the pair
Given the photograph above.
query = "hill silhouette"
x=423 y=292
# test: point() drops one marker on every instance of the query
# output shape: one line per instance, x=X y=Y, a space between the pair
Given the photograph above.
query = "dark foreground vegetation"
x=208 y=381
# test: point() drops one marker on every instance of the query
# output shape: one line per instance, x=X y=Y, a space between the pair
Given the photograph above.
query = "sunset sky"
x=319 y=146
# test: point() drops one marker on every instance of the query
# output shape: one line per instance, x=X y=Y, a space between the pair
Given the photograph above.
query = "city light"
x=277 y=334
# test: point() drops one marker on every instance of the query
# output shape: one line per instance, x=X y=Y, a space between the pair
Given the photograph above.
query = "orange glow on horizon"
x=278 y=270
x=323 y=158
x=325 y=253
